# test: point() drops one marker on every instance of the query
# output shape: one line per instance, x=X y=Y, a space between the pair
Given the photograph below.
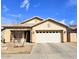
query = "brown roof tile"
x=52 y=21
x=35 y=17
x=15 y=25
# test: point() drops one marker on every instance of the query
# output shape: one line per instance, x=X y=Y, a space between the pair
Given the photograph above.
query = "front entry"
x=18 y=35
x=27 y=36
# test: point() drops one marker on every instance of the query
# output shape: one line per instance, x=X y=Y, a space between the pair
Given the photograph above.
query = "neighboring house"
x=73 y=33
x=39 y=31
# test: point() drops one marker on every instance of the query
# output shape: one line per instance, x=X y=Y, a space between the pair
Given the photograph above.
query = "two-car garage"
x=48 y=36
x=49 y=31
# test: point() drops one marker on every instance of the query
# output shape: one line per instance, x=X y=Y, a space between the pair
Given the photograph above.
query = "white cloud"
x=63 y=21
x=37 y=5
x=18 y=15
x=71 y=22
x=25 y=4
x=71 y=3
x=5 y=20
x=5 y=8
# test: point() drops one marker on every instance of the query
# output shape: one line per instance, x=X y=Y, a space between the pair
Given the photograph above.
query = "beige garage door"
x=48 y=37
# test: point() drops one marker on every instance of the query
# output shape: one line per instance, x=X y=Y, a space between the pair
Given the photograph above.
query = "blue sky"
x=15 y=11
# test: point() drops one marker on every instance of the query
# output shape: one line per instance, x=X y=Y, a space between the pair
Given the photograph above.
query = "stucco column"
x=23 y=34
x=7 y=35
x=30 y=36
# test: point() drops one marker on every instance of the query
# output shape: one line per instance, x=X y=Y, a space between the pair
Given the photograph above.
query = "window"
x=37 y=32
x=53 y=31
x=43 y=31
x=56 y=31
x=40 y=32
x=50 y=31
x=46 y=31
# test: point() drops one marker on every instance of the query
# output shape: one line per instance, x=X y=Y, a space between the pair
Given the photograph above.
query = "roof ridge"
x=51 y=20
x=28 y=19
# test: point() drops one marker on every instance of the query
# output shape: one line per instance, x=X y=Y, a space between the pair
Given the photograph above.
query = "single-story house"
x=39 y=30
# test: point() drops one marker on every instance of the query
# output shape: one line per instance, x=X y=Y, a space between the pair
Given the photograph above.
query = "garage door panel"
x=48 y=37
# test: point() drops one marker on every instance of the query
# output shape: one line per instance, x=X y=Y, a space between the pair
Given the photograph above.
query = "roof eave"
x=50 y=20
x=31 y=19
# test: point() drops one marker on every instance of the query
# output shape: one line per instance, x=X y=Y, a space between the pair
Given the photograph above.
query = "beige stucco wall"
x=73 y=37
x=34 y=21
x=7 y=33
x=43 y=26
x=52 y=26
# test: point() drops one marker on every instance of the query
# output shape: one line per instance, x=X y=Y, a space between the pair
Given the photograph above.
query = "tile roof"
x=32 y=25
x=35 y=17
x=15 y=25
x=52 y=21
x=73 y=27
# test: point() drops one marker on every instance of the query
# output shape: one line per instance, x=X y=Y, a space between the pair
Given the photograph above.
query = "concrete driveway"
x=48 y=51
